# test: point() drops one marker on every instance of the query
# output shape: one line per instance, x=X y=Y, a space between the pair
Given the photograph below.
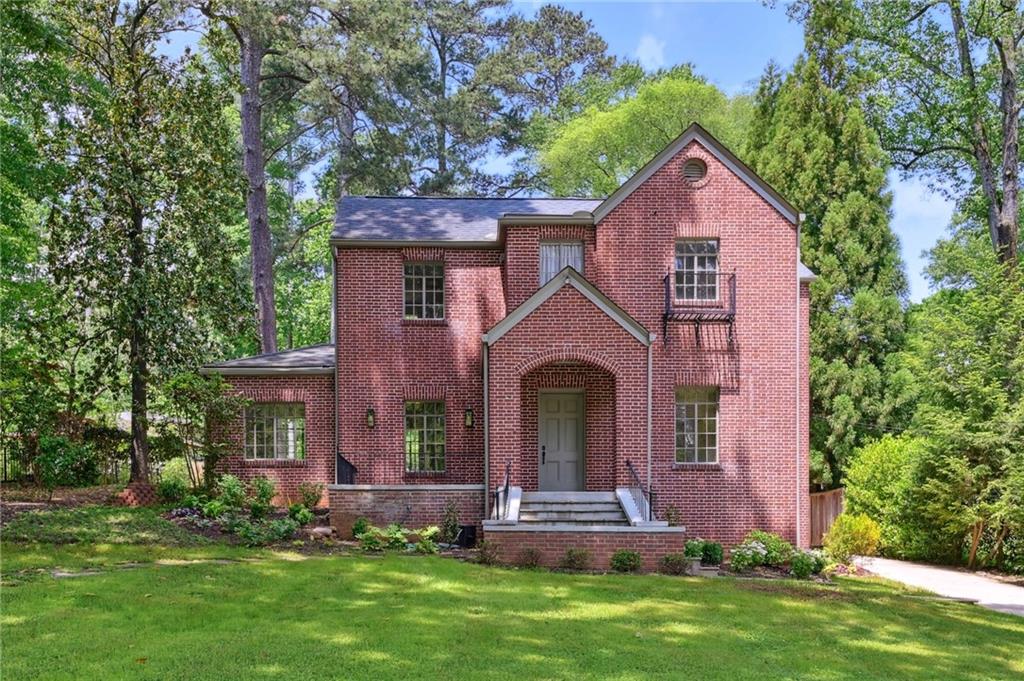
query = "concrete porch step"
x=565 y=497
x=572 y=515
x=575 y=523
x=597 y=506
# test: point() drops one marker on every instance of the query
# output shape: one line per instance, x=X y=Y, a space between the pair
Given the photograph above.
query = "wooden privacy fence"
x=825 y=507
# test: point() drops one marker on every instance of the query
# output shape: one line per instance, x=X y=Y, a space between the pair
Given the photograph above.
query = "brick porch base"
x=412 y=506
x=552 y=543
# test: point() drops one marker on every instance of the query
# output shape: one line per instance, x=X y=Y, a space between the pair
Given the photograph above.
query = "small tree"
x=197 y=408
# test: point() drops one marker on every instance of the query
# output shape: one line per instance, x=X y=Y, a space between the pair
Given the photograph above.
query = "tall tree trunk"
x=252 y=53
x=1007 y=228
x=137 y=355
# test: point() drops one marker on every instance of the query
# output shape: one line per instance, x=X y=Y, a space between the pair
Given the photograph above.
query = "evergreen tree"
x=811 y=142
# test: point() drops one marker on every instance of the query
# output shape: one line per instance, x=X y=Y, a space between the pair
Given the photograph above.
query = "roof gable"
x=719 y=151
x=568 y=277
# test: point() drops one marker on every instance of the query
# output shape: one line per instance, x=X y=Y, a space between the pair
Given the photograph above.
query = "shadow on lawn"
x=399 y=617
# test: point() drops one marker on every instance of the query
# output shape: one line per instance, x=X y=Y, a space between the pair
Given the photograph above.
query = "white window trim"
x=565 y=242
x=711 y=395
x=249 y=449
x=717 y=271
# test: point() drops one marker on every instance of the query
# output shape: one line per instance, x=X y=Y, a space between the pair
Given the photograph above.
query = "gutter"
x=267 y=371
x=650 y=373
x=334 y=340
x=799 y=484
x=487 y=430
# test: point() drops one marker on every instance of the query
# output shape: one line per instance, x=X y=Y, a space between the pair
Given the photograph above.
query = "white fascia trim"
x=695 y=132
x=408 y=488
x=527 y=219
x=413 y=243
x=568 y=276
x=804 y=272
x=267 y=371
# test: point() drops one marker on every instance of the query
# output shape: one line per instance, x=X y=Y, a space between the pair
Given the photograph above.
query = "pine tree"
x=812 y=143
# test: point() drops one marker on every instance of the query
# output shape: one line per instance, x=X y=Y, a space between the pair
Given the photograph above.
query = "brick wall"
x=384 y=360
x=317 y=394
x=409 y=507
x=651 y=546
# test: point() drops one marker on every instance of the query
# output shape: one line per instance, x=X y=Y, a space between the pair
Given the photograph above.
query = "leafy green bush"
x=64 y=463
x=360 y=526
x=529 y=558
x=801 y=565
x=625 y=560
x=310 y=494
x=176 y=469
x=777 y=549
x=487 y=553
x=231 y=492
x=852 y=535
x=427 y=546
x=749 y=554
x=712 y=554
x=576 y=559
x=214 y=508
x=171 y=490
x=300 y=514
x=694 y=548
x=675 y=564
x=262 y=493
x=380 y=539
x=262 y=532
x=450 y=524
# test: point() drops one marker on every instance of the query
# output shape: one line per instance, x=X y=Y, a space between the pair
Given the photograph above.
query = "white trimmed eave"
x=267 y=371
x=568 y=277
x=719 y=151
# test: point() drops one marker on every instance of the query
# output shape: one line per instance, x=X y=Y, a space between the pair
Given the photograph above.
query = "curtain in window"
x=555 y=257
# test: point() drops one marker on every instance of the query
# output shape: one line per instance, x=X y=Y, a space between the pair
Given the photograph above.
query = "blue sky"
x=729 y=43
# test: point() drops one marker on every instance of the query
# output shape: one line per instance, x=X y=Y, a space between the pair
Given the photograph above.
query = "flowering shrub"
x=777 y=551
x=749 y=554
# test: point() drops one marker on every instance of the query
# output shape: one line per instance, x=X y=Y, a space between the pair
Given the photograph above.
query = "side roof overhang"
x=719 y=150
x=569 y=277
x=311 y=360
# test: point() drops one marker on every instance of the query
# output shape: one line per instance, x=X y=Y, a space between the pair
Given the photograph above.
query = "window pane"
x=554 y=257
x=697 y=425
x=423 y=291
x=275 y=431
x=424 y=436
x=697 y=270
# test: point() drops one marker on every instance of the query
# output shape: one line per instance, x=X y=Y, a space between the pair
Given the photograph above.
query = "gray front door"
x=560 y=437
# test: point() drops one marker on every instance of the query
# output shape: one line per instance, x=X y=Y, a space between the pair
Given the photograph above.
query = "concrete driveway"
x=986 y=592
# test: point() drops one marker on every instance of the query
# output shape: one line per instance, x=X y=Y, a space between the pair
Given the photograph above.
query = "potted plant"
x=694 y=552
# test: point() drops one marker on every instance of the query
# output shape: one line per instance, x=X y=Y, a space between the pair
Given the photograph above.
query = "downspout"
x=334 y=342
x=799 y=484
x=487 y=433
x=650 y=373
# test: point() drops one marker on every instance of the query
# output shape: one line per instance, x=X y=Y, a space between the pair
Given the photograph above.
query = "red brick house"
x=567 y=372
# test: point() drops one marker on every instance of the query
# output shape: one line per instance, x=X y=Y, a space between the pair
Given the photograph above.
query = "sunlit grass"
x=411 y=617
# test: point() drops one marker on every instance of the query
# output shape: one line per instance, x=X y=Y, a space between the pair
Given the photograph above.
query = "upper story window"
x=275 y=431
x=424 y=437
x=697 y=269
x=697 y=425
x=424 y=290
x=555 y=256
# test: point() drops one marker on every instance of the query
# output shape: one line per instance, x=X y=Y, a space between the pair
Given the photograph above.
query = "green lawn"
x=403 y=617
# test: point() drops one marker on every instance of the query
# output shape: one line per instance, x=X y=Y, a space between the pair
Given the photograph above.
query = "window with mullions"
x=697 y=425
x=275 y=431
x=424 y=437
x=697 y=270
x=424 y=290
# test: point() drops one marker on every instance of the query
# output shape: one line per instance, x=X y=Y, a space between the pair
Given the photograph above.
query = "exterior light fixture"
x=371 y=417
x=468 y=417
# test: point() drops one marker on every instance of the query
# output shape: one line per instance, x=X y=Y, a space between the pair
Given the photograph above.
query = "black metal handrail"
x=713 y=300
x=501 y=495
x=344 y=471
x=643 y=498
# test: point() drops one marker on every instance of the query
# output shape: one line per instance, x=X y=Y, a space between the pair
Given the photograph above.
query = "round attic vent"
x=694 y=170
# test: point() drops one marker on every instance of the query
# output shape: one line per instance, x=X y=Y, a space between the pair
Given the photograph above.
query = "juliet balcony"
x=699 y=298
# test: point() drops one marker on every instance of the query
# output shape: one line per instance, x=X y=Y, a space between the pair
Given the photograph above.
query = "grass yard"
x=402 y=617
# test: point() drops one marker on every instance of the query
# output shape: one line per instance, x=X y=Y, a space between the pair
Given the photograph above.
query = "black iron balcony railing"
x=502 y=495
x=344 y=471
x=699 y=297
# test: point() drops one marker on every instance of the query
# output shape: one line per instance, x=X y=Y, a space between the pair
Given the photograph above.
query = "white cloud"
x=650 y=52
x=919 y=218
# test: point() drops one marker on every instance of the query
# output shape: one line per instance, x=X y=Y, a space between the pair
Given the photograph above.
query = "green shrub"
x=529 y=558
x=360 y=526
x=64 y=463
x=818 y=560
x=712 y=554
x=231 y=492
x=263 y=491
x=487 y=553
x=260 y=533
x=675 y=564
x=380 y=539
x=171 y=490
x=450 y=524
x=214 y=508
x=300 y=514
x=694 y=548
x=852 y=535
x=749 y=554
x=777 y=549
x=176 y=469
x=625 y=560
x=311 y=494
x=426 y=546
x=576 y=559
x=801 y=565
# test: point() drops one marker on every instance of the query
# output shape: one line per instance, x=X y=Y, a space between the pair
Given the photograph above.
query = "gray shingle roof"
x=428 y=218
x=312 y=359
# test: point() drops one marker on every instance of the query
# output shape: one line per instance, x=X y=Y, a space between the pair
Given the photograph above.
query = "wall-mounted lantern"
x=371 y=417
x=468 y=417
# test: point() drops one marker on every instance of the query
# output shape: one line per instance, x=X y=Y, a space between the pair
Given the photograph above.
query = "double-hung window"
x=275 y=431
x=697 y=269
x=424 y=437
x=697 y=425
x=555 y=256
x=424 y=290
